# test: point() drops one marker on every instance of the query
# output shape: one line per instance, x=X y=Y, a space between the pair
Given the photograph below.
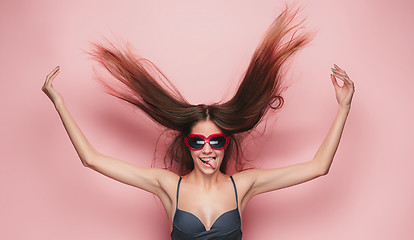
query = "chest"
x=206 y=208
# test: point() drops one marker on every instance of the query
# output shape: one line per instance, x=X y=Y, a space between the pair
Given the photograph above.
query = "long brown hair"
x=145 y=86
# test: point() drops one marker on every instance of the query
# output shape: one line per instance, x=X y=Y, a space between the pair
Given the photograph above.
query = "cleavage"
x=206 y=207
x=213 y=222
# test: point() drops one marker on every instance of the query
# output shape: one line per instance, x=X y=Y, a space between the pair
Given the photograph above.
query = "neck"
x=206 y=181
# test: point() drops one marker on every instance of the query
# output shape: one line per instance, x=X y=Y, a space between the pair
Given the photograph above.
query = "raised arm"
x=260 y=181
x=150 y=179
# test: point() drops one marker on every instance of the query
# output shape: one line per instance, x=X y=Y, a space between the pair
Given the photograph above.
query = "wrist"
x=58 y=103
x=344 y=108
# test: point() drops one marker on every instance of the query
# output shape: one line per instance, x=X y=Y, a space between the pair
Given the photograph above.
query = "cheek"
x=193 y=155
x=221 y=154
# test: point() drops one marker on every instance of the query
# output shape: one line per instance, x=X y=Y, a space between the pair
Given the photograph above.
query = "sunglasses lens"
x=196 y=142
x=217 y=142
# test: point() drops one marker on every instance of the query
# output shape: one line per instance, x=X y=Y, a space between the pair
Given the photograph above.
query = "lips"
x=209 y=162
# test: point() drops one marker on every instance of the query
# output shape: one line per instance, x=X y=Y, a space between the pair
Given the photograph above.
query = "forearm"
x=326 y=152
x=85 y=150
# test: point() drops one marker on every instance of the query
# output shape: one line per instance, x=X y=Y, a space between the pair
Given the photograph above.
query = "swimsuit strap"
x=235 y=191
x=178 y=192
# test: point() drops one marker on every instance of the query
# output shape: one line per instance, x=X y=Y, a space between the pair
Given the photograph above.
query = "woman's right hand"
x=48 y=89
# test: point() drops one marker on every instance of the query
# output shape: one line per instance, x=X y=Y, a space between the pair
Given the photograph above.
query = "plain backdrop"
x=204 y=47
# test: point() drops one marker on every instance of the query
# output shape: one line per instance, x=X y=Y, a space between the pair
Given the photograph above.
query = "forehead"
x=205 y=128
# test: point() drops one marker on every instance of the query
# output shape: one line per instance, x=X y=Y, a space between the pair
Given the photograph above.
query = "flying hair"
x=145 y=86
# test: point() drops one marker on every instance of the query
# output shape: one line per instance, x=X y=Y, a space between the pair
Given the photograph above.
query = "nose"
x=207 y=148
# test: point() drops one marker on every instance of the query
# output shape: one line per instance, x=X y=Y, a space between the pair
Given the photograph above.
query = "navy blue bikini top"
x=187 y=226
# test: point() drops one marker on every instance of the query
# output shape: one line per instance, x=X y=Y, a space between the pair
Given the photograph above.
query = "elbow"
x=86 y=163
x=323 y=170
x=87 y=160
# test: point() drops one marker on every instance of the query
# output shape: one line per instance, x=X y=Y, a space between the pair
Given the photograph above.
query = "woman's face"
x=207 y=159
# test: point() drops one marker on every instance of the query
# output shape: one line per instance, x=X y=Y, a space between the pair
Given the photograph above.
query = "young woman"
x=201 y=201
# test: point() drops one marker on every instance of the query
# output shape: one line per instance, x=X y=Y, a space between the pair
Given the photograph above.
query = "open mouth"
x=209 y=162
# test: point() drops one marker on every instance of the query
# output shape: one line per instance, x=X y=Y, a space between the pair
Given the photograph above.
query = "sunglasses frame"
x=207 y=140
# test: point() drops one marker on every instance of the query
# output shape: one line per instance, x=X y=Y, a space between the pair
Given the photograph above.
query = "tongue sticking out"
x=212 y=163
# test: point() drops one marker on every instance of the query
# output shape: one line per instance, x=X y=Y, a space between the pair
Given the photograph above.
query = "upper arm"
x=154 y=180
x=265 y=180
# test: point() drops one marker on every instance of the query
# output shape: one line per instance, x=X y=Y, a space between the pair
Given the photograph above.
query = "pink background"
x=204 y=47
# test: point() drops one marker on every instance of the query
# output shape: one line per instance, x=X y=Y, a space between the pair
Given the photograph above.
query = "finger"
x=335 y=82
x=350 y=83
x=339 y=75
x=347 y=80
x=52 y=74
x=339 y=70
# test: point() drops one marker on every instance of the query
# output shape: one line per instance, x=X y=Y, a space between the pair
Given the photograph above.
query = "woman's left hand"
x=345 y=92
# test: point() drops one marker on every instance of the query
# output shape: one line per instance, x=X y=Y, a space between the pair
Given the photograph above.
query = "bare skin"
x=206 y=192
